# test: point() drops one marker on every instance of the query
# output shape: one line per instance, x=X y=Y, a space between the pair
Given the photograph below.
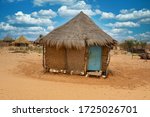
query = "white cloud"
x=145 y=21
x=44 y=14
x=130 y=37
x=121 y=30
x=123 y=24
x=143 y=36
x=125 y=14
x=81 y=5
x=36 y=30
x=119 y=33
x=125 y=11
x=67 y=11
x=51 y=2
x=31 y=32
x=50 y=28
x=6 y=26
x=105 y=15
x=31 y=25
x=31 y=29
x=133 y=14
x=97 y=11
x=35 y=18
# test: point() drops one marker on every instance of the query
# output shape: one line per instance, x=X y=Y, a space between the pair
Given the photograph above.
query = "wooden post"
x=66 y=60
x=85 y=59
x=44 y=59
x=43 y=56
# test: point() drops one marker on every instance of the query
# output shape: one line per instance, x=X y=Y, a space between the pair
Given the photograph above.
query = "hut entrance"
x=94 y=59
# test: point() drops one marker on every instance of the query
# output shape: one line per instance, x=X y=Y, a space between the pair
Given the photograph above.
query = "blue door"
x=94 y=60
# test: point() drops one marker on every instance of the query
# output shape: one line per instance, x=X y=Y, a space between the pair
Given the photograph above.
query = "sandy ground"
x=22 y=77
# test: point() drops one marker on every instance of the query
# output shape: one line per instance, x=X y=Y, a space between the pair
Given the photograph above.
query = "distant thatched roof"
x=77 y=33
x=22 y=39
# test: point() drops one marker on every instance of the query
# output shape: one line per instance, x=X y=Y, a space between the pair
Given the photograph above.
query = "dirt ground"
x=22 y=77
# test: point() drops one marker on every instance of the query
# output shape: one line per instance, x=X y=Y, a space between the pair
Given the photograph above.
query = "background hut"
x=7 y=41
x=79 y=46
x=21 y=41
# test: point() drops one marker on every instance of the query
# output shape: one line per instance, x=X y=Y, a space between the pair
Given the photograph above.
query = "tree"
x=129 y=44
x=8 y=39
x=136 y=43
x=143 y=44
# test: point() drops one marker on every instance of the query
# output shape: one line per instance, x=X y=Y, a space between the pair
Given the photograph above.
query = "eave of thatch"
x=21 y=39
x=77 y=33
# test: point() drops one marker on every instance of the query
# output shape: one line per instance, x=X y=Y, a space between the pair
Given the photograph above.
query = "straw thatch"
x=77 y=33
x=21 y=40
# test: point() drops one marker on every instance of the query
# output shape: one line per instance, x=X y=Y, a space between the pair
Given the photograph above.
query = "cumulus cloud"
x=105 y=15
x=119 y=33
x=35 y=18
x=133 y=14
x=6 y=26
x=31 y=25
x=121 y=30
x=50 y=28
x=51 y=2
x=67 y=11
x=125 y=14
x=145 y=21
x=31 y=31
x=145 y=36
x=123 y=24
x=44 y=14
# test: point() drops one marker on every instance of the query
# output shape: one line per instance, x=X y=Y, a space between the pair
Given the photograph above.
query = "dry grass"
x=14 y=49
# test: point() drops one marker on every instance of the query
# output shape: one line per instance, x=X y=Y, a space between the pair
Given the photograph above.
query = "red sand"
x=22 y=77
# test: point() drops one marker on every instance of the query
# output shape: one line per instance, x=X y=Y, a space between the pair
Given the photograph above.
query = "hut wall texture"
x=60 y=59
x=75 y=60
x=105 y=52
x=54 y=58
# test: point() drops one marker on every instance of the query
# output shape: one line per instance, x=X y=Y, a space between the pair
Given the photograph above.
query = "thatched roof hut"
x=7 y=41
x=21 y=41
x=70 y=46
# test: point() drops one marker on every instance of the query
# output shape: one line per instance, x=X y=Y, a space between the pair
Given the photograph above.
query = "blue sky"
x=121 y=19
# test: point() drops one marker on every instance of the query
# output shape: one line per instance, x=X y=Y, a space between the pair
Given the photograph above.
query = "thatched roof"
x=77 y=33
x=22 y=40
